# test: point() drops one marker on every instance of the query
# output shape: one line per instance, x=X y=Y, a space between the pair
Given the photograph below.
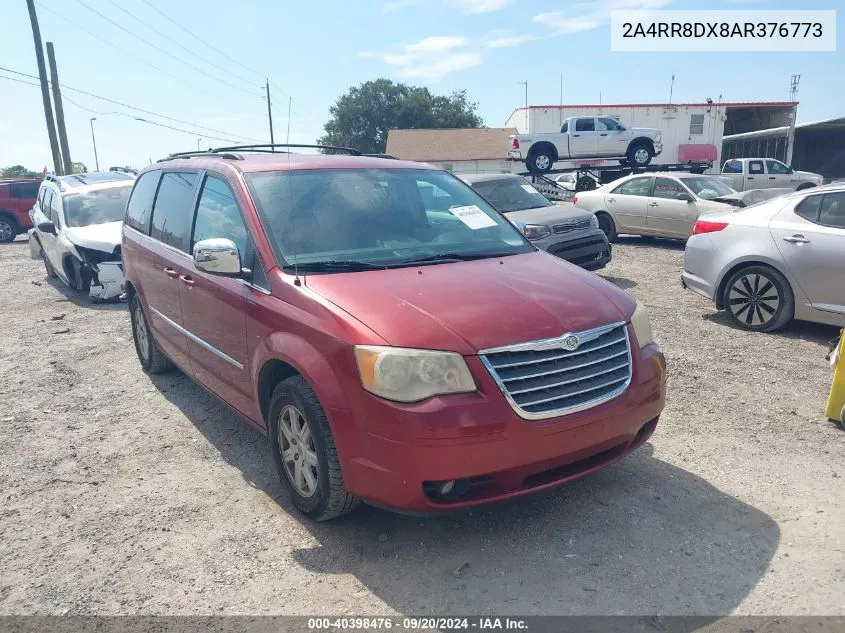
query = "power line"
x=126 y=105
x=177 y=43
x=163 y=51
x=135 y=57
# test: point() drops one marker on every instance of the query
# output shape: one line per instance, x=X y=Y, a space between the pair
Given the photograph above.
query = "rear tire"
x=640 y=154
x=319 y=493
x=540 y=161
x=151 y=357
x=585 y=183
x=607 y=226
x=758 y=298
x=8 y=229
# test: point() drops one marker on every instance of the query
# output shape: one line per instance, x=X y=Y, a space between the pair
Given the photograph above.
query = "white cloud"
x=433 y=57
x=504 y=38
x=591 y=14
x=477 y=6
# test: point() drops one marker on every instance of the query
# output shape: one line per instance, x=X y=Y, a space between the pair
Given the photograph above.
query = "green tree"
x=362 y=117
x=18 y=171
x=79 y=168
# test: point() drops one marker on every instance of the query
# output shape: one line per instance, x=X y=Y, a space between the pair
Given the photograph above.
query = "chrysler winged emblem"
x=571 y=342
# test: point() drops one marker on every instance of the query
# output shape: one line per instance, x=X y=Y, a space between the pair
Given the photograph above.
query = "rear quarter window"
x=138 y=211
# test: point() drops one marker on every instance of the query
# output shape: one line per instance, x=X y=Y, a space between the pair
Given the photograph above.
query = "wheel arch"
x=6 y=213
x=541 y=145
x=640 y=140
x=747 y=263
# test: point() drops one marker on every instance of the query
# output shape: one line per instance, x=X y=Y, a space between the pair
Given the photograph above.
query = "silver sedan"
x=775 y=261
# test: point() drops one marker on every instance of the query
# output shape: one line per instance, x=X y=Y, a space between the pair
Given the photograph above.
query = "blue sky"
x=314 y=51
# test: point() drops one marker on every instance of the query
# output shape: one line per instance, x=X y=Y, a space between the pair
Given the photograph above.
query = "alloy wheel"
x=542 y=162
x=299 y=454
x=641 y=156
x=754 y=299
x=7 y=233
x=141 y=333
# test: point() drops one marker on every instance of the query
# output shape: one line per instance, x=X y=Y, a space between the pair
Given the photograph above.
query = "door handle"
x=171 y=273
x=576 y=135
x=611 y=199
x=653 y=204
x=602 y=134
x=771 y=177
x=796 y=239
x=187 y=280
x=751 y=178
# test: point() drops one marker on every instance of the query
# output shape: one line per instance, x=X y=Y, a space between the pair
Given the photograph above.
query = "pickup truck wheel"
x=607 y=226
x=304 y=452
x=758 y=298
x=585 y=183
x=540 y=161
x=152 y=359
x=8 y=229
x=640 y=154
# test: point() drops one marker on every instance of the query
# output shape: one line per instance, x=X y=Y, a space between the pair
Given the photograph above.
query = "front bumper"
x=658 y=149
x=108 y=283
x=478 y=437
x=586 y=248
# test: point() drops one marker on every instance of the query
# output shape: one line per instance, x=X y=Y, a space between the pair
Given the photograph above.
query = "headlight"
x=536 y=231
x=641 y=325
x=594 y=221
x=659 y=137
x=411 y=375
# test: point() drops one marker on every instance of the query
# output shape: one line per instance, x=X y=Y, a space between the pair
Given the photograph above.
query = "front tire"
x=305 y=454
x=151 y=357
x=607 y=226
x=640 y=154
x=758 y=298
x=8 y=229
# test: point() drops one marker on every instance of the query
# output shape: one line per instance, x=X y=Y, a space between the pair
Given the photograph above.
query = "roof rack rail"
x=229 y=155
x=271 y=147
x=390 y=156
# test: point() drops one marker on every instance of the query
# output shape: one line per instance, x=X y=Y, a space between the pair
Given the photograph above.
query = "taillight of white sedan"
x=772 y=262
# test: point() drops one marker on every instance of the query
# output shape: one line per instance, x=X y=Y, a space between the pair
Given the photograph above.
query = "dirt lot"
x=125 y=494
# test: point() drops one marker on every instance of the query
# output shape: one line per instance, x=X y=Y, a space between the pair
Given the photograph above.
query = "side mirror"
x=685 y=197
x=520 y=225
x=47 y=227
x=218 y=256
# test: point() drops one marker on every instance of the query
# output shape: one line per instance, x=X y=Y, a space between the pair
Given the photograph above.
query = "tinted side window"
x=41 y=195
x=55 y=210
x=667 y=188
x=565 y=127
x=832 y=212
x=24 y=189
x=609 y=125
x=755 y=167
x=732 y=167
x=634 y=187
x=585 y=125
x=173 y=212
x=218 y=215
x=808 y=208
x=141 y=203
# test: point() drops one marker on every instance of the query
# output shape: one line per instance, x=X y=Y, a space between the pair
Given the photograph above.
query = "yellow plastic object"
x=836 y=399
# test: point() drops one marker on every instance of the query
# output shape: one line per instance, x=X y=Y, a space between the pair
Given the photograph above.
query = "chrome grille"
x=542 y=379
x=571 y=226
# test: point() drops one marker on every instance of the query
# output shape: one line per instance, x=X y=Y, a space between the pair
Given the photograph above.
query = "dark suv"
x=17 y=197
x=415 y=357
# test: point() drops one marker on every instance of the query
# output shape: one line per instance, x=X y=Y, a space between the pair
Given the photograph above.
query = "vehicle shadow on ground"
x=798 y=330
x=80 y=299
x=651 y=242
x=620 y=282
x=641 y=537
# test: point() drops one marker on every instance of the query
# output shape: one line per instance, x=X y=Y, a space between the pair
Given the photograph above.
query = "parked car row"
x=17 y=195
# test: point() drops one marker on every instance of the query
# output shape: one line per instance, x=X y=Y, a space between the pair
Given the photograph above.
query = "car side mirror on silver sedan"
x=218 y=256
x=47 y=227
x=684 y=196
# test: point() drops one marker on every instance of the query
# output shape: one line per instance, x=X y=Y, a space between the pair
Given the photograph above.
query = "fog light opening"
x=447 y=487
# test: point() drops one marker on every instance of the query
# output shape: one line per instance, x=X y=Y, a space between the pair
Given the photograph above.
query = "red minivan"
x=17 y=197
x=396 y=337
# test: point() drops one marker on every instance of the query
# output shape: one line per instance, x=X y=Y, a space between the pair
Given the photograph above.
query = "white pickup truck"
x=588 y=137
x=743 y=174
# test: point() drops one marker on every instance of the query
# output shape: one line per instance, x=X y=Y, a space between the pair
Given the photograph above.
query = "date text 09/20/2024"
x=417 y=624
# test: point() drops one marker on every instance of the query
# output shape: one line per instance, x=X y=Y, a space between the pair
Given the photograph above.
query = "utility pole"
x=290 y=101
x=527 y=120
x=671 y=89
x=794 y=80
x=94 y=140
x=45 y=91
x=560 y=112
x=60 y=110
x=269 y=111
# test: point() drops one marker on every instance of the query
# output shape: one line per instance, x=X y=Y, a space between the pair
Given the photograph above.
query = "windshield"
x=344 y=218
x=511 y=194
x=708 y=188
x=96 y=207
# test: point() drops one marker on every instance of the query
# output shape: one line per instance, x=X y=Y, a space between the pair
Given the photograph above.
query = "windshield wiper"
x=334 y=266
x=443 y=258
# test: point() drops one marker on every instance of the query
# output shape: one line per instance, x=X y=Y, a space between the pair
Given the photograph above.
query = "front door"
x=613 y=139
x=214 y=307
x=170 y=233
x=779 y=175
x=584 y=139
x=667 y=215
x=627 y=203
x=756 y=178
x=811 y=239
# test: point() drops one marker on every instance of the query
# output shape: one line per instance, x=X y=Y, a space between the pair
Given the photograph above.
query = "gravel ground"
x=125 y=494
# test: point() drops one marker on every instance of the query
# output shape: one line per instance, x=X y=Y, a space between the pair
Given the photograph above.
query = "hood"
x=752 y=196
x=644 y=131
x=556 y=214
x=469 y=306
x=808 y=175
x=102 y=237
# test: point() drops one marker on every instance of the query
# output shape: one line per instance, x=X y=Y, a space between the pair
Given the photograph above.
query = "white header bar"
x=679 y=31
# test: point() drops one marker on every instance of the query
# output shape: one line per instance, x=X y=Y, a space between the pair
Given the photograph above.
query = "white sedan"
x=657 y=204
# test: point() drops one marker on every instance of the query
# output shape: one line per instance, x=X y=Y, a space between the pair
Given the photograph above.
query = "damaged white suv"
x=78 y=222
